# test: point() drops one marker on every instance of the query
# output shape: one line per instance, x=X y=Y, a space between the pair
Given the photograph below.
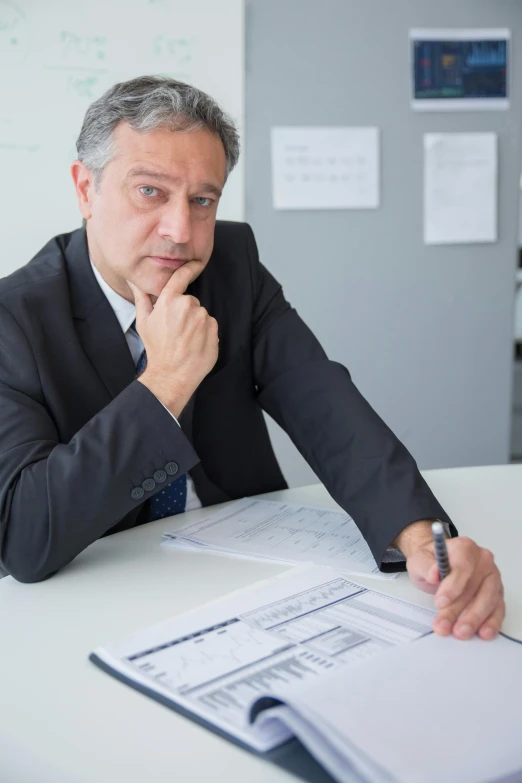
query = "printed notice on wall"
x=460 y=188
x=460 y=69
x=325 y=168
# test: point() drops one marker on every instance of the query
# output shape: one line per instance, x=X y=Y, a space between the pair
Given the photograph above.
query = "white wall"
x=58 y=56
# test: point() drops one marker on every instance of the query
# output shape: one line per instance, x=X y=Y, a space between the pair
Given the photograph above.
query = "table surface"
x=62 y=720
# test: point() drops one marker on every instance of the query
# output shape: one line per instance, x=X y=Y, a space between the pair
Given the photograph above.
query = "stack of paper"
x=281 y=532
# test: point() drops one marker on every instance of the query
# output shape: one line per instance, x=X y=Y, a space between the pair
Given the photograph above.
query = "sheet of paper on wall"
x=459 y=69
x=282 y=532
x=460 y=188
x=325 y=168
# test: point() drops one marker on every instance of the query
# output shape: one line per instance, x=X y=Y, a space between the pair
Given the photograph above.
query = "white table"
x=62 y=720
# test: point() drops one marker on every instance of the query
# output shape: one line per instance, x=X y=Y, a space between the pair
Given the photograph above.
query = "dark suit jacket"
x=78 y=433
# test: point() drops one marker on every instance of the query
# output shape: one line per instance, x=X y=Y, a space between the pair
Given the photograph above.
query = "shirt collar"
x=124 y=311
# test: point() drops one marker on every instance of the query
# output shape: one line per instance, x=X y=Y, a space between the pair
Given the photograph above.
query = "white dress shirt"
x=125 y=312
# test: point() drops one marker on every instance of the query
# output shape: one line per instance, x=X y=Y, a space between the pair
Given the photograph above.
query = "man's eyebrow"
x=143 y=172
x=207 y=187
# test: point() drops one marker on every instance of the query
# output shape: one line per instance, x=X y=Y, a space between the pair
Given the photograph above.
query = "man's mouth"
x=170 y=261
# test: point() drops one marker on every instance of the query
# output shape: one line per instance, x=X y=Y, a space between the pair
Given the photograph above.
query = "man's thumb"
x=433 y=576
x=142 y=301
x=422 y=569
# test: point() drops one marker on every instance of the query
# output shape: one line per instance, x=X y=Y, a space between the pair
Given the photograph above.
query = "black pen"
x=441 y=550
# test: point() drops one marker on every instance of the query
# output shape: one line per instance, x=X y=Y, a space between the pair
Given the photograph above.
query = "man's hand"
x=180 y=337
x=471 y=598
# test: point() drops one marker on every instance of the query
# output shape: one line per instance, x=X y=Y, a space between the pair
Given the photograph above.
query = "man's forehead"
x=165 y=142
x=168 y=154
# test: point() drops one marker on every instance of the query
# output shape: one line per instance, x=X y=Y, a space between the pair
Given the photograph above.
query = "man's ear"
x=84 y=186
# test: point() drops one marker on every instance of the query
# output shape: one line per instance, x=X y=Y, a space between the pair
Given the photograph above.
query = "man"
x=137 y=355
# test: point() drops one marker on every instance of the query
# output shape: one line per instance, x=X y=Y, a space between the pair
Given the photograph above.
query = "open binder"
x=356 y=676
x=291 y=755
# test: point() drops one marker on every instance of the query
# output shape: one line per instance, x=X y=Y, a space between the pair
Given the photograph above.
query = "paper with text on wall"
x=325 y=168
x=282 y=532
x=460 y=188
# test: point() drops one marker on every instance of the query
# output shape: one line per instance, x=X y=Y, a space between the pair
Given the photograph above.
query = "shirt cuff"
x=177 y=422
x=394 y=555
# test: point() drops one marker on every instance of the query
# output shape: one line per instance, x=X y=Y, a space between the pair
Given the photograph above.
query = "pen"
x=441 y=551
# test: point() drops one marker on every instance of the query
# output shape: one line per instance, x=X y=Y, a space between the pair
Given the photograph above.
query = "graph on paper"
x=188 y=662
x=305 y=630
x=302 y=604
x=285 y=532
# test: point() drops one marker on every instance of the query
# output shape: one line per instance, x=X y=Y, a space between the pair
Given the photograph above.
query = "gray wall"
x=427 y=332
x=520 y=216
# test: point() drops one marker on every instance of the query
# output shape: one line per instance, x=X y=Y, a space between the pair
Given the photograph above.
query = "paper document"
x=356 y=675
x=325 y=168
x=460 y=188
x=282 y=532
x=296 y=629
x=388 y=717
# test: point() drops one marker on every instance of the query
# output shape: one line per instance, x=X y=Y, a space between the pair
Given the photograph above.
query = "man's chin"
x=154 y=283
x=155 y=278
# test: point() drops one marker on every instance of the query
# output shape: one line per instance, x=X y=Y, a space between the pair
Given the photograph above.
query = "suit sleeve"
x=362 y=464
x=57 y=498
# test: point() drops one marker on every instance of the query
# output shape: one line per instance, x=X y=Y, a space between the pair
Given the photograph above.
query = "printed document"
x=460 y=188
x=283 y=532
x=325 y=168
x=216 y=661
x=356 y=675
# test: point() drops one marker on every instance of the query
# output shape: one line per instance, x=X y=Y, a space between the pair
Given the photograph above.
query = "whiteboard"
x=58 y=56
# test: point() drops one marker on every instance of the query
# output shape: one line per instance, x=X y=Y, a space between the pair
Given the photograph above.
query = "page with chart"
x=290 y=630
x=284 y=532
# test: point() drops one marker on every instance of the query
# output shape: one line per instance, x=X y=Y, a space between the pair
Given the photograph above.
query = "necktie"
x=172 y=498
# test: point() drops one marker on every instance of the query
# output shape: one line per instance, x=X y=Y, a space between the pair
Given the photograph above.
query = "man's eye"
x=146 y=190
x=202 y=201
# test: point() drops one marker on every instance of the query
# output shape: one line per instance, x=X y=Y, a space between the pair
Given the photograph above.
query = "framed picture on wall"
x=455 y=70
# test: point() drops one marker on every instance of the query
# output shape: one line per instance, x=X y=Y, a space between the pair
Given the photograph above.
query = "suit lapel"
x=104 y=343
x=98 y=328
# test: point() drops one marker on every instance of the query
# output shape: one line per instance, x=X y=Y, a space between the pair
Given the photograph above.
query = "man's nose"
x=175 y=222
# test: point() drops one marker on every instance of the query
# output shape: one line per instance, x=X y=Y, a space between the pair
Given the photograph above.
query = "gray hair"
x=146 y=104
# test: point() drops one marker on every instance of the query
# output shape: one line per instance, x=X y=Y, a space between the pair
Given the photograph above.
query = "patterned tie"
x=173 y=498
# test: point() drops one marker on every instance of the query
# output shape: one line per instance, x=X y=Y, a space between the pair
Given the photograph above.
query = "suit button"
x=149 y=484
x=172 y=468
x=137 y=493
x=160 y=476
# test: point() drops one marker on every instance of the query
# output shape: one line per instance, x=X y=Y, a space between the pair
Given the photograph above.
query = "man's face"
x=155 y=206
